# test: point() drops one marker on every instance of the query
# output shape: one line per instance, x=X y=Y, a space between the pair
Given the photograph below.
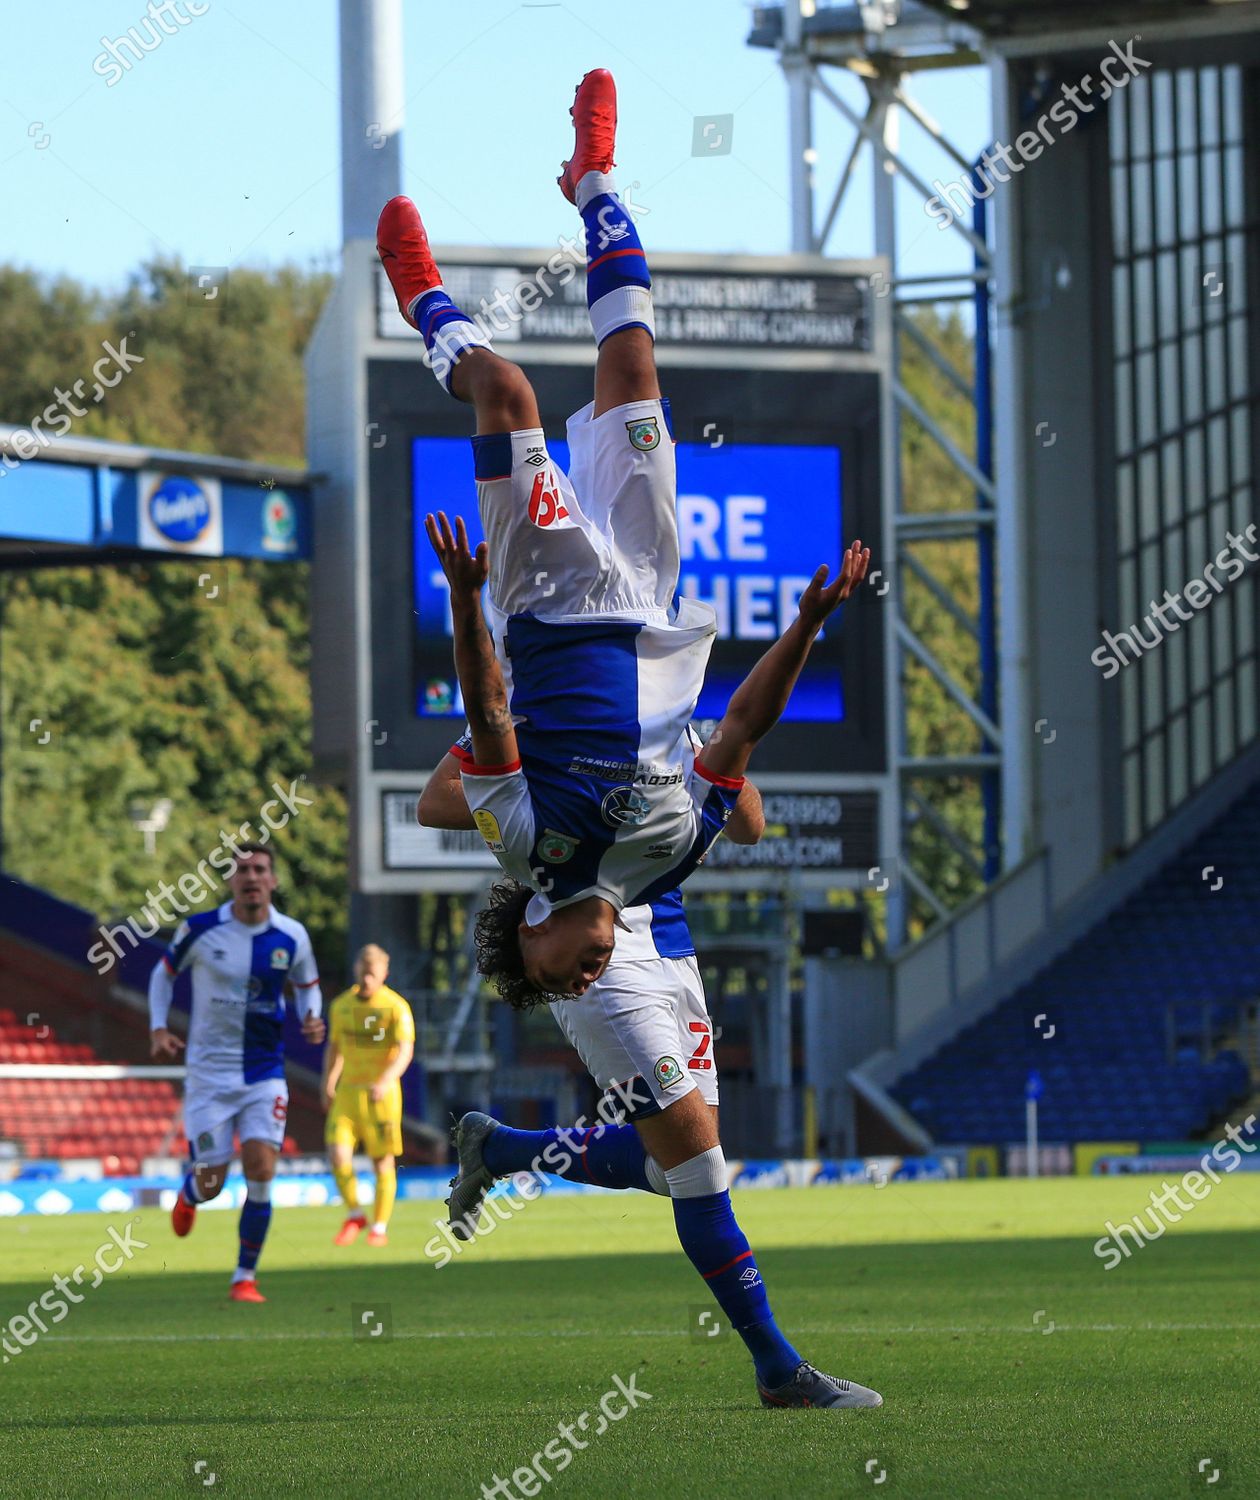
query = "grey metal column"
x=1011 y=453
x=774 y=1066
x=371 y=62
x=371 y=112
x=884 y=190
x=797 y=72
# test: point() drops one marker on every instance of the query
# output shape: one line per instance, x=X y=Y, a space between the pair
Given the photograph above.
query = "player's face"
x=371 y=978
x=253 y=881
x=565 y=955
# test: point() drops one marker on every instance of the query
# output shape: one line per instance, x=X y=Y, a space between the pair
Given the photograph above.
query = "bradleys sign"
x=179 y=513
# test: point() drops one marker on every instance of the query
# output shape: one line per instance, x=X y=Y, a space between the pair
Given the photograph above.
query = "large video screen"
x=754 y=522
x=777 y=471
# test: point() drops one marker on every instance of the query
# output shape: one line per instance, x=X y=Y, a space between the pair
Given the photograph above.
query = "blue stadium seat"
x=1106 y=1071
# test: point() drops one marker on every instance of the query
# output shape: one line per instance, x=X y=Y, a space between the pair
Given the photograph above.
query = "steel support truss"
x=883 y=44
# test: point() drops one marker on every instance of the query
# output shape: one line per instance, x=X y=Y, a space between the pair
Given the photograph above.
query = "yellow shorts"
x=354 y=1116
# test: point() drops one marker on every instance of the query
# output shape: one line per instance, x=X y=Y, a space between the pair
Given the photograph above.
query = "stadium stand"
x=58 y=1012
x=1154 y=1015
x=119 y=1121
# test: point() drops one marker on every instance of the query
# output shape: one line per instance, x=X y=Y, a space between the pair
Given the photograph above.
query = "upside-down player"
x=636 y=1005
x=587 y=790
x=371 y=1039
x=241 y=955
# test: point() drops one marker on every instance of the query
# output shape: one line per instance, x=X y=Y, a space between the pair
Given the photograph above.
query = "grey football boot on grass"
x=810 y=1387
x=475 y=1179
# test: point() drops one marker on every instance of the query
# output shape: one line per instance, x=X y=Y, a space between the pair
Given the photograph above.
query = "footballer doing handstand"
x=580 y=771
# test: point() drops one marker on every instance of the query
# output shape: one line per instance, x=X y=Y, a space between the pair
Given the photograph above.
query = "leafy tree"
x=935 y=725
x=147 y=689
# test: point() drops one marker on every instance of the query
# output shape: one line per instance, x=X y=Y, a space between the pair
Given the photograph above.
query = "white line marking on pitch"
x=638 y=1333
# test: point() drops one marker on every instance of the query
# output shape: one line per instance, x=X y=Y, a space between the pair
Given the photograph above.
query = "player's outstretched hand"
x=465 y=570
x=164 y=1043
x=821 y=597
x=313 y=1028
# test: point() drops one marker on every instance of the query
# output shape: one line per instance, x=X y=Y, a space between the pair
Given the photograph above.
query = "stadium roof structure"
x=824 y=50
x=73 y=499
x=919 y=34
x=1031 y=18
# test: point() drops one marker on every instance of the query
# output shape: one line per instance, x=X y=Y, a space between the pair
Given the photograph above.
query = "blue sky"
x=221 y=146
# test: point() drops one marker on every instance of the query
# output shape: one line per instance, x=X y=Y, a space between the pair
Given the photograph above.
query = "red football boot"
x=183 y=1216
x=246 y=1291
x=594 y=115
x=350 y=1230
x=403 y=247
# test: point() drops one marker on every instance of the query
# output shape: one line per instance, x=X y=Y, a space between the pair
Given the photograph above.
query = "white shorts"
x=256 y=1112
x=644 y=1027
x=598 y=542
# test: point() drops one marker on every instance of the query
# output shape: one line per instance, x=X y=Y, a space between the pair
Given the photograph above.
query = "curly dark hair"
x=498 y=945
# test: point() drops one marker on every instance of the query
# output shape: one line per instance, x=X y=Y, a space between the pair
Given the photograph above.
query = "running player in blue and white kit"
x=596 y=677
x=241 y=955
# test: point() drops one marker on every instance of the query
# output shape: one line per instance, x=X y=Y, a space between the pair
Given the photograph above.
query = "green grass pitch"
x=1012 y=1364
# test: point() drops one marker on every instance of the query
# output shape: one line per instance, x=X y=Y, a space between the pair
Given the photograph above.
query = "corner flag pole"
x=1033 y=1089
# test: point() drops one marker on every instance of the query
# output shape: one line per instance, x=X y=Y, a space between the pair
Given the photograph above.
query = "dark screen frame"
x=789 y=407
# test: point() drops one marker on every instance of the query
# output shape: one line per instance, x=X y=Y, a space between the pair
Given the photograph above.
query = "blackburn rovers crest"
x=645 y=434
x=667 y=1072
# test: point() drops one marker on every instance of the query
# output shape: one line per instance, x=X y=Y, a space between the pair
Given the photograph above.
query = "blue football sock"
x=447 y=331
x=618 y=284
x=255 y=1217
x=191 y=1189
x=609 y=1156
x=716 y=1246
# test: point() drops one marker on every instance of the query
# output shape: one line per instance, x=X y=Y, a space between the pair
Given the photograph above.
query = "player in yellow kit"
x=371 y=1039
